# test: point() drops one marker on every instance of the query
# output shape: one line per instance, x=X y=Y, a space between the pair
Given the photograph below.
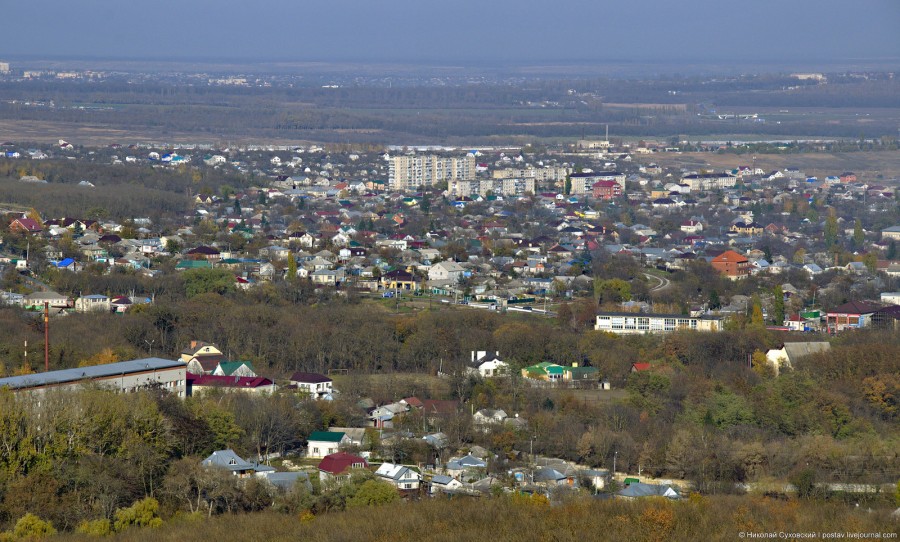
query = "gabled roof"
x=855 y=307
x=326 y=436
x=309 y=378
x=243 y=382
x=340 y=462
x=227 y=459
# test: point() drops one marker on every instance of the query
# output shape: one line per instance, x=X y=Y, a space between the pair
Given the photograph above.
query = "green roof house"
x=322 y=443
x=235 y=368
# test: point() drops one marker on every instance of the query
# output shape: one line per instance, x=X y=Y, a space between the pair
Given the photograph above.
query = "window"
x=407 y=486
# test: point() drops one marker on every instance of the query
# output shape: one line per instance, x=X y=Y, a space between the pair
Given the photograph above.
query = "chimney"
x=193 y=344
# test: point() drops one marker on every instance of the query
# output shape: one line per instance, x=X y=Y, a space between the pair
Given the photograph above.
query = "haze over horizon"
x=463 y=32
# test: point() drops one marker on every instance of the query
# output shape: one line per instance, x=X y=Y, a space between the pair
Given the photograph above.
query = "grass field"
x=868 y=166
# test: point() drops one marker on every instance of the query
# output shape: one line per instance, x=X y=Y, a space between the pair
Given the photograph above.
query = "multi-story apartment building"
x=407 y=173
x=583 y=183
x=709 y=181
x=485 y=187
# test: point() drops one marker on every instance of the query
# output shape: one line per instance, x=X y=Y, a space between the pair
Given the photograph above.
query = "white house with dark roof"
x=488 y=364
x=399 y=476
x=318 y=386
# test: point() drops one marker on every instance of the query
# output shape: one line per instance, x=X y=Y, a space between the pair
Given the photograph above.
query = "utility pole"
x=46 y=336
x=615 y=455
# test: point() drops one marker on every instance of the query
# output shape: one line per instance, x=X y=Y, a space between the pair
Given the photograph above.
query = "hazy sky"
x=456 y=31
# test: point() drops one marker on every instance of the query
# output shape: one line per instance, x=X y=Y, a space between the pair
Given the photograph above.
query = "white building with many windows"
x=624 y=323
x=122 y=377
x=408 y=173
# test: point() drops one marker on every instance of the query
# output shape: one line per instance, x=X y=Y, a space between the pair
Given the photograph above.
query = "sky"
x=457 y=31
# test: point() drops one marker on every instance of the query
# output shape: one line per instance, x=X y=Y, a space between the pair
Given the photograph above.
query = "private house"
x=399 y=279
x=234 y=368
x=747 y=228
x=486 y=418
x=123 y=377
x=93 y=303
x=35 y=301
x=27 y=225
x=337 y=466
x=784 y=357
x=230 y=461
x=468 y=464
x=636 y=490
x=732 y=264
x=200 y=349
x=322 y=443
x=403 y=478
x=444 y=484
x=487 y=364
x=549 y=372
x=691 y=226
x=852 y=315
x=198 y=384
x=887 y=234
x=446 y=271
x=318 y=386
x=625 y=323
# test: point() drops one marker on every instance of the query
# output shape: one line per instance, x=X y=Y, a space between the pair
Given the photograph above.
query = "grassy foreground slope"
x=521 y=519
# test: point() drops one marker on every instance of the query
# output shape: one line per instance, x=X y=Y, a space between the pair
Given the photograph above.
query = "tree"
x=831 y=229
x=32 y=527
x=144 y=513
x=374 y=493
x=202 y=281
x=778 y=308
x=714 y=301
x=292 y=266
x=756 y=314
x=859 y=237
x=892 y=250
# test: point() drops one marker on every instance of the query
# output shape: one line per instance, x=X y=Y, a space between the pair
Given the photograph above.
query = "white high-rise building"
x=408 y=173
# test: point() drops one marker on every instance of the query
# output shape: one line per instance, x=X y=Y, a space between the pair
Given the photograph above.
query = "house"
x=199 y=349
x=887 y=234
x=322 y=443
x=789 y=353
x=399 y=476
x=318 y=386
x=852 y=315
x=337 y=466
x=27 y=225
x=732 y=264
x=545 y=370
x=399 y=279
x=446 y=270
x=234 y=368
x=691 y=226
x=466 y=464
x=198 y=384
x=487 y=364
x=93 y=303
x=488 y=417
x=228 y=460
x=444 y=484
x=637 y=490
x=36 y=301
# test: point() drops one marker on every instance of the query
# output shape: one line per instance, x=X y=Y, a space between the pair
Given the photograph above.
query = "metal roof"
x=77 y=374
